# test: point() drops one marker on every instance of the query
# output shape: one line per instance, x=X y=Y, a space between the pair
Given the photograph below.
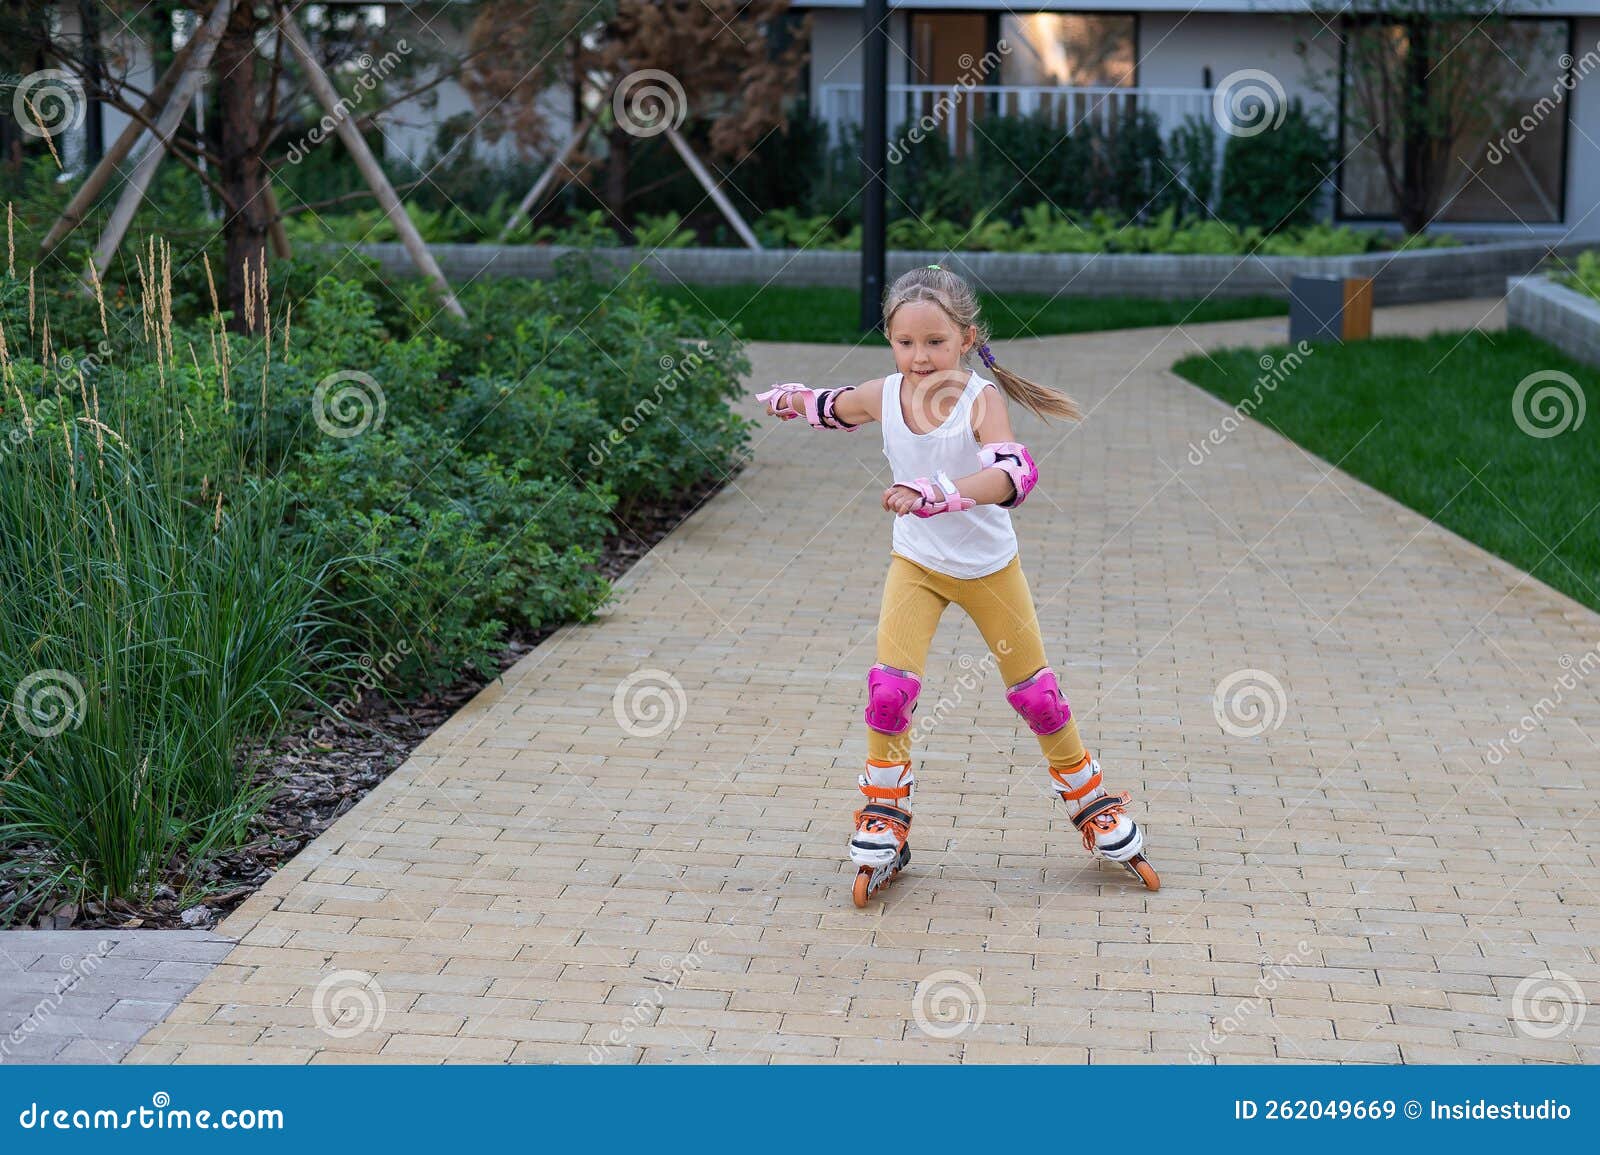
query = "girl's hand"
x=901 y=500
x=777 y=400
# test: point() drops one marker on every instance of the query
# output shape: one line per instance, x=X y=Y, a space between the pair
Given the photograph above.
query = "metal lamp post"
x=874 y=158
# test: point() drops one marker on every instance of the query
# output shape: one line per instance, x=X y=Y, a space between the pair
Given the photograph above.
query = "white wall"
x=1583 y=140
x=836 y=49
x=1176 y=48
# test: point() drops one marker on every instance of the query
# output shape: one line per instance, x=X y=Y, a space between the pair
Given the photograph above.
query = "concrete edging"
x=1567 y=319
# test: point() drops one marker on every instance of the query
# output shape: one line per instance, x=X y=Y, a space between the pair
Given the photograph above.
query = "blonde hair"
x=953 y=295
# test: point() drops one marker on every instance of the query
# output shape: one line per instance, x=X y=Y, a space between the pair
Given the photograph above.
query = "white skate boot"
x=1109 y=831
x=879 y=845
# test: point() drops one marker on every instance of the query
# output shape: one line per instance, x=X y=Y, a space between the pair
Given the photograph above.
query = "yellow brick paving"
x=1357 y=883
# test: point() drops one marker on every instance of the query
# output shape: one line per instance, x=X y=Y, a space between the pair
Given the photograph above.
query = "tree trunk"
x=245 y=227
x=1416 y=193
x=94 y=118
x=617 y=175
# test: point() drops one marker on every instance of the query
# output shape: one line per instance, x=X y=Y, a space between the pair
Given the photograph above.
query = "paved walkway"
x=86 y=996
x=631 y=849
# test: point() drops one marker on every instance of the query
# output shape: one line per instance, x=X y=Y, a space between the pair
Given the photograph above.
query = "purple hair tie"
x=988 y=357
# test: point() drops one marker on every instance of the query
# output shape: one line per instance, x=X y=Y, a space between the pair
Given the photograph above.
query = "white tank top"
x=971 y=544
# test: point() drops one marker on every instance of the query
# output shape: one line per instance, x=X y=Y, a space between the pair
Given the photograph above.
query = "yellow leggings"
x=914 y=598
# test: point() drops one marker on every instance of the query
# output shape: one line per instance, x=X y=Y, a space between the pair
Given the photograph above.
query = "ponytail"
x=1041 y=399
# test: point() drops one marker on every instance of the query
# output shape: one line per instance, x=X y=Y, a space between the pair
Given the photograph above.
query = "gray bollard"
x=1329 y=308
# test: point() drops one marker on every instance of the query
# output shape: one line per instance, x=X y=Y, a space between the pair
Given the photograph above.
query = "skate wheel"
x=860 y=891
x=1146 y=873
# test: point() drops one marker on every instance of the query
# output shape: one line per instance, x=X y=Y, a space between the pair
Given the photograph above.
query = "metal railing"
x=953 y=109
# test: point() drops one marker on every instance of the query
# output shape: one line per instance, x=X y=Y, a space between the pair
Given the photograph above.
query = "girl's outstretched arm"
x=852 y=405
x=862 y=403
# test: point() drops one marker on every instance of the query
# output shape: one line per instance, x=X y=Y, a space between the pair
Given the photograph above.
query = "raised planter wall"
x=1569 y=320
x=1425 y=275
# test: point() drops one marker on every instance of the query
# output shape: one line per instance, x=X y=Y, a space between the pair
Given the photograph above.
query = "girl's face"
x=926 y=342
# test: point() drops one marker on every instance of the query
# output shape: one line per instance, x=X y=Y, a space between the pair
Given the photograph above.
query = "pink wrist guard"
x=953 y=502
x=816 y=406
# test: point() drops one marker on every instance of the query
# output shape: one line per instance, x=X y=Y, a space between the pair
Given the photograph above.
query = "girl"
x=957 y=474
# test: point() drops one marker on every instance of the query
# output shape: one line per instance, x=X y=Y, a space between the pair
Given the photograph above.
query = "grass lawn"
x=802 y=313
x=1419 y=417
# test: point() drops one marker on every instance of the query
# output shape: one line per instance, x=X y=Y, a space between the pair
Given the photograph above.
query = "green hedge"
x=204 y=538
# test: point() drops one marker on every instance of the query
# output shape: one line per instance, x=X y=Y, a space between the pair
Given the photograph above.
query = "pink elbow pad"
x=1014 y=458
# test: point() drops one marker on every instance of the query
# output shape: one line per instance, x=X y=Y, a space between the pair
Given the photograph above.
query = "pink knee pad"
x=1040 y=702
x=891 y=697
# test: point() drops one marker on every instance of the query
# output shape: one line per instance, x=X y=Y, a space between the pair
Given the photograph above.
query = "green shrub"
x=790 y=229
x=948 y=236
x=192 y=532
x=1137 y=164
x=658 y=376
x=1043 y=229
x=1190 y=165
x=665 y=231
x=1271 y=180
x=525 y=417
x=447 y=549
x=1584 y=275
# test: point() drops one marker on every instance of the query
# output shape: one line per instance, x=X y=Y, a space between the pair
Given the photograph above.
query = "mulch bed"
x=321 y=771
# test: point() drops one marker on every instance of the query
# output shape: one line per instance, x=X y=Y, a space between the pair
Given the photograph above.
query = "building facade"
x=1535 y=172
